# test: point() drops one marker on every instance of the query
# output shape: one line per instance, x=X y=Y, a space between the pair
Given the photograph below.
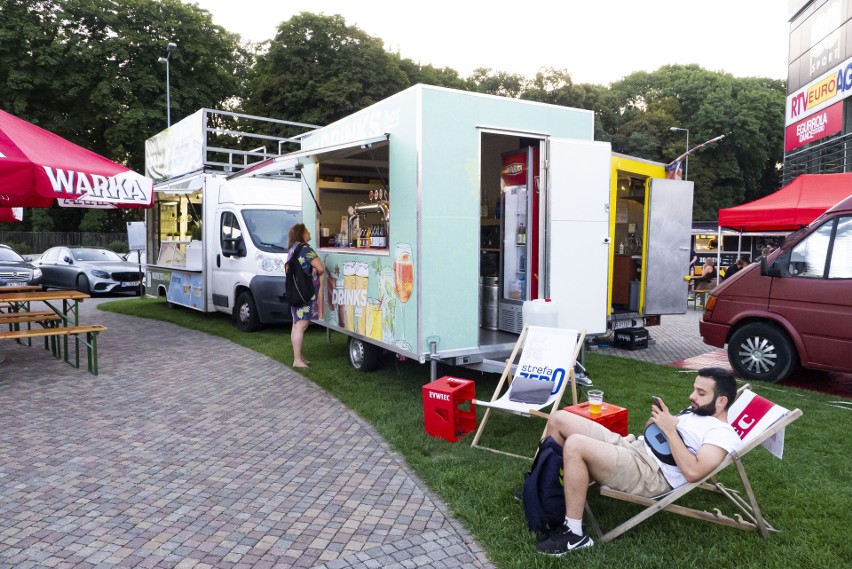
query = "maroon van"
x=792 y=308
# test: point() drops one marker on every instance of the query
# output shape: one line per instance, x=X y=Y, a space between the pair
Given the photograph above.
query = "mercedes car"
x=88 y=269
x=15 y=270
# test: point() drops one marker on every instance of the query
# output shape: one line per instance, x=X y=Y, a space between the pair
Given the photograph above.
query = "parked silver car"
x=88 y=270
x=15 y=270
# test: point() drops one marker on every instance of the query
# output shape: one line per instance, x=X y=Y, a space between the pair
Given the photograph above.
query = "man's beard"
x=706 y=410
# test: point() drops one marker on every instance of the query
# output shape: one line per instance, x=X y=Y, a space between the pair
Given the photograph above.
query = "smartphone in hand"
x=657 y=401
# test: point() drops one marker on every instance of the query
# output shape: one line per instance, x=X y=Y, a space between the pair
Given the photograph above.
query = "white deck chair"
x=554 y=348
x=758 y=422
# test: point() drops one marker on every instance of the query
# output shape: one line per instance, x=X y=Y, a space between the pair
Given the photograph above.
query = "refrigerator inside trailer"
x=519 y=193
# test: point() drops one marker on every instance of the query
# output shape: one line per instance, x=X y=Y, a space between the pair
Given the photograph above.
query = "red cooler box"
x=612 y=416
x=448 y=409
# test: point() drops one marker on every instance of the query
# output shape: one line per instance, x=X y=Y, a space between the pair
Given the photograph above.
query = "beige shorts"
x=636 y=472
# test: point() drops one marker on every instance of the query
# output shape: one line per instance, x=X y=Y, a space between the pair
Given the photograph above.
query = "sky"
x=597 y=41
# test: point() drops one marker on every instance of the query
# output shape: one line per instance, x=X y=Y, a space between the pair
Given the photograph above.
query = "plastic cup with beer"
x=595 y=401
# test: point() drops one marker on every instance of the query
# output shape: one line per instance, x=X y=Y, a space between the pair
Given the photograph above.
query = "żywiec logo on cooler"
x=544 y=373
x=441 y=396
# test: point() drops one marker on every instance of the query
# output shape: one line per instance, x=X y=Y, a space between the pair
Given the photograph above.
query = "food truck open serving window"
x=353 y=192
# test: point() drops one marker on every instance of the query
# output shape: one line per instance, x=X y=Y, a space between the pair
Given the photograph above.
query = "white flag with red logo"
x=751 y=414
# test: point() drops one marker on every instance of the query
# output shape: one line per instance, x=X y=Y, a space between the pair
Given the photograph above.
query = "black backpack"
x=544 y=497
x=298 y=285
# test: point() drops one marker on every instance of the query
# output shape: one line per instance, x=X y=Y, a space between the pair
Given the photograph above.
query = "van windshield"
x=268 y=228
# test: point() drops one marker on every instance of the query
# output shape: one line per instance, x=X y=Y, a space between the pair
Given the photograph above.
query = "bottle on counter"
x=368 y=237
x=483 y=207
x=621 y=248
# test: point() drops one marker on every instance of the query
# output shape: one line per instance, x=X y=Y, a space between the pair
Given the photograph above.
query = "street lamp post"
x=170 y=47
x=686 y=159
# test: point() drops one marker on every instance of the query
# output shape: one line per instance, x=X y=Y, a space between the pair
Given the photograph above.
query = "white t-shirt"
x=698 y=430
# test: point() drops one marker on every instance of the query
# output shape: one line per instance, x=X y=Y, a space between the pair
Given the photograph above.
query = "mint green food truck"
x=439 y=214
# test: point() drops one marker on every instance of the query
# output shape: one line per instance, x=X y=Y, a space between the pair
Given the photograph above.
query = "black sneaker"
x=562 y=542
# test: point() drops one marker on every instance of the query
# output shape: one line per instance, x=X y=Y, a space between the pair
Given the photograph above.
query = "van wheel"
x=245 y=313
x=761 y=352
x=362 y=355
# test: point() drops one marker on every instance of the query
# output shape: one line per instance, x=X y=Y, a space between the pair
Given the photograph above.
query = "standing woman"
x=310 y=263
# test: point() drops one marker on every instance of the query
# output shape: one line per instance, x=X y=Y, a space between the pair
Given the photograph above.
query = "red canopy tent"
x=37 y=167
x=790 y=208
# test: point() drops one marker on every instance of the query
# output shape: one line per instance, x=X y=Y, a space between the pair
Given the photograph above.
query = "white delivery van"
x=221 y=244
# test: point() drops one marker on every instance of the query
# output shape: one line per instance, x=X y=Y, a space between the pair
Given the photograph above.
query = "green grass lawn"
x=808 y=495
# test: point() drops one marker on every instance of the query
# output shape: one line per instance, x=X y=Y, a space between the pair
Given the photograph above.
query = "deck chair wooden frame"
x=533 y=410
x=748 y=516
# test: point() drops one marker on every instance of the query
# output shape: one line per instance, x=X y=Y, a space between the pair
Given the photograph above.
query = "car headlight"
x=36 y=274
x=269 y=263
x=100 y=274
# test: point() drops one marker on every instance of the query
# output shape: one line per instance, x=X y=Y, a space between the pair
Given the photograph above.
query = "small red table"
x=448 y=408
x=612 y=416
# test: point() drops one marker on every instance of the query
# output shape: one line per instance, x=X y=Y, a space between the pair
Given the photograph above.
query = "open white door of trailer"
x=668 y=238
x=577 y=239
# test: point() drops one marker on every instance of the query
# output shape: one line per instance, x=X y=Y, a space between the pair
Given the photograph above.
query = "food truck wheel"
x=761 y=352
x=245 y=313
x=362 y=355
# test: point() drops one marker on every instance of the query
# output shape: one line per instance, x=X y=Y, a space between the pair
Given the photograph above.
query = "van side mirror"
x=773 y=270
x=233 y=247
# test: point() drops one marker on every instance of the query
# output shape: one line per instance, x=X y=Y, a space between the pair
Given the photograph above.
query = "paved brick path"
x=189 y=451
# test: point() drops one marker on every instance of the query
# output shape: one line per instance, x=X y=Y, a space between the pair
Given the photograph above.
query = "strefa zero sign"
x=832 y=87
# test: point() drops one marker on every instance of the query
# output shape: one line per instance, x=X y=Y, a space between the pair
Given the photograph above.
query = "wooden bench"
x=28 y=317
x=44 y=317
x=91 y=340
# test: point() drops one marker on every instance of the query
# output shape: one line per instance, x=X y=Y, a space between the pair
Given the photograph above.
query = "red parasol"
x=37 y=167
x=11 y=214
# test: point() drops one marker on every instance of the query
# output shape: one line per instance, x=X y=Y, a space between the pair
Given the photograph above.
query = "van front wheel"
x=362 y=355
x=245 y=313
x=761 y=352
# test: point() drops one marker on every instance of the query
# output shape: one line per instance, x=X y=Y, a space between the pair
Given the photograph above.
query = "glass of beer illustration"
x=403 y=270
x=362 y=280
x=349 y=292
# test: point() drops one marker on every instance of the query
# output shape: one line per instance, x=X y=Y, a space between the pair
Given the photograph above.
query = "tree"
x=742 y=167
x=484 y=80
x=88 y=71
x=318 y=70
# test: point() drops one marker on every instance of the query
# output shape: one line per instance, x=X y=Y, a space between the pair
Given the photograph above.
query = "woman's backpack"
x=298 y=285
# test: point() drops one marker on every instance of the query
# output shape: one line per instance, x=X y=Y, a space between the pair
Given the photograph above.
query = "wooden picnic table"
x=67 y=313
x=19 y=301
x=19 y=288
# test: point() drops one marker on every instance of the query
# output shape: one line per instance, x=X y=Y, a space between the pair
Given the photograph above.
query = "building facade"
x=818 y=121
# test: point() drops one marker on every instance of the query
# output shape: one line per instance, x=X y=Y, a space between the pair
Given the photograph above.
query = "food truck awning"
x=290 y=163
x=792 y=207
